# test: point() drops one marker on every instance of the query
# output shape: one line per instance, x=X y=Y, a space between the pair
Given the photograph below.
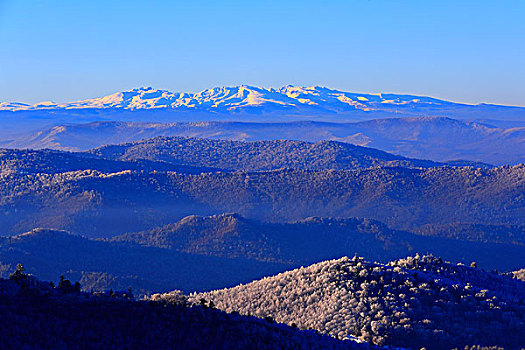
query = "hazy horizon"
x=263 y=87
x=471 y=52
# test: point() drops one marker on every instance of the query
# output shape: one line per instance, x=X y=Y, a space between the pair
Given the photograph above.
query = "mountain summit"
x=292 y=102
x=239 y=97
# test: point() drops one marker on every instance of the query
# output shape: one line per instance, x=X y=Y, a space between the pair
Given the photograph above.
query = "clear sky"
x=469 y=51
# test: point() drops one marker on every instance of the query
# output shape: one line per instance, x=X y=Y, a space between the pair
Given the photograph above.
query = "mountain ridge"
x=437 y=138
x=319 y=238
x=94 y=202
x=231 y=97
x=261 y=155
x=287 y=99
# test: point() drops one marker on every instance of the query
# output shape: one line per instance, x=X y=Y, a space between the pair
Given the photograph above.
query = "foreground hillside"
x=36 y=315
x=414 y=302
x=103 y=265
x=106 y=204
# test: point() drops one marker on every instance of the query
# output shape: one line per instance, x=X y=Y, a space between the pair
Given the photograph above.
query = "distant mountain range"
x=288 y=99
x=438 y=139
x=412 y=126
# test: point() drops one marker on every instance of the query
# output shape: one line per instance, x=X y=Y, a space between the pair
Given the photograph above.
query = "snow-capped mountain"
x=413 y=126
x=240 y=97
x=255 y=104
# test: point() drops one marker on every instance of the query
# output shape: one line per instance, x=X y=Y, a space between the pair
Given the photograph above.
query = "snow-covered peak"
x=239 y=98
x=145 y=97
x=13 y=106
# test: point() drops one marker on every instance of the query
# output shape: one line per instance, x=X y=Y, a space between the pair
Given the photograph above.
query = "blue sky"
x=469 y=51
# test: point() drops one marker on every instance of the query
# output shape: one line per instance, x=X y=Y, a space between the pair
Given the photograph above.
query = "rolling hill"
x=94 y=203
x=203 y=253
x=259 y=155
x=13 y=161
x=195 y=156
x=411 y=303
x=101 y=265
x=436 y=138
x=314 y=239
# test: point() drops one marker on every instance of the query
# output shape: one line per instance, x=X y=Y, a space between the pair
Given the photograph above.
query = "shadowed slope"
x=102 y=265
x=94 y=203
x=315 y=239
x=35 y=315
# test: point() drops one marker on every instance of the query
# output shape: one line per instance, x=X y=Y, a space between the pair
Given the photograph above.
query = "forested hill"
x=514 y=234
x=305 y=241
x=37 y=315
x=411 y=303
x=316 y=239
x=260 y=155
x=106 y=204
x=437 y=138
x=101 y=265
x=195 y=156
x=204 y=253
x=54 y=162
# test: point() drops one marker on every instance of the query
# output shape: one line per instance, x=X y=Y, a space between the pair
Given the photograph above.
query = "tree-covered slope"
x=103 y=265
x=54 y=162
x=316 y=239
x=513 y=234
x=203 y=253
x=36 y=315
x=414 y=302
x=306 y=241
x=258 y=155
x=520 y=274
x=437 y=138
x=95 y=203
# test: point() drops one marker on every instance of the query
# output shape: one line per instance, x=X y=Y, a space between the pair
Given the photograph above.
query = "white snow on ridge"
x=227 y=99
x=13 y=106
